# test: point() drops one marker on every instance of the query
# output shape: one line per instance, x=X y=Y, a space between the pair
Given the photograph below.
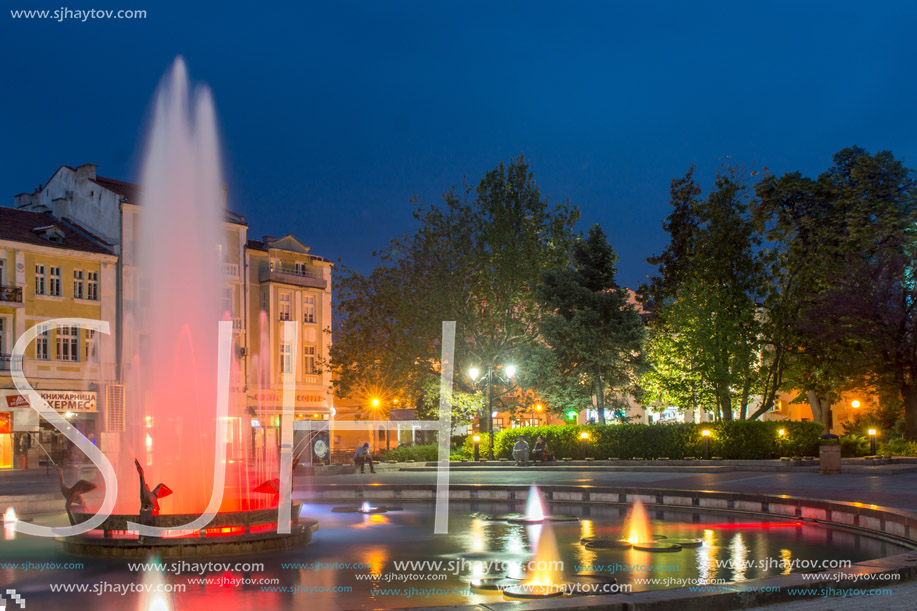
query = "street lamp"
x=781 y=433
x=706 y=434
x=477 y=453
x=474 y=372
x=855 y=403
x=872 y=442
x=584 y=437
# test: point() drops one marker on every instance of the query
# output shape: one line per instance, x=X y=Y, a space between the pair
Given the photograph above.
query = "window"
x=309 y=360
x=92 y=286
x=54 y=282
x=301 y=269
x=92 y=346
x=286 y=306
x=227 y=301
x=2 y=333
x=41 y=344
x=2 y=272
x=308 y=308
x=39 y=279
x=77 y=284
x=286 y=357
x=68 y=344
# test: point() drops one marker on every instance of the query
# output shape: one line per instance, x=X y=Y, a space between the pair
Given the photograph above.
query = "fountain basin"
x=235 y=532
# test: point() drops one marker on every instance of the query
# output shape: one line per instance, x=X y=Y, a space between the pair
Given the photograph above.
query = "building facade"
x=52 y=268
x=266 y=282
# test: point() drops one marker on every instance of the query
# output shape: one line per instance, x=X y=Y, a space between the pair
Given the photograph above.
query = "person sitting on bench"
x=521 y=452
x=362 y=457
x=541 y=452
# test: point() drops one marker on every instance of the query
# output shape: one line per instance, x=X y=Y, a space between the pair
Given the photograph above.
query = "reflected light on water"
x=474 y=541
x=786 y=559
x=706 y=557
x=738 y=554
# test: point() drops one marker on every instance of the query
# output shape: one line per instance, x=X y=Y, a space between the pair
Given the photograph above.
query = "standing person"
x=362 y=457
x=521 y=451
x=25 y=444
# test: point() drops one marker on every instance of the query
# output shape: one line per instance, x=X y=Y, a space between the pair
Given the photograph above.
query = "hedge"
x=422 y=453
x=737 y=439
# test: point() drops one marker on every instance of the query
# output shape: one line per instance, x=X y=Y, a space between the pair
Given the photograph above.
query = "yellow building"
x=53 y=268
x=286 y=284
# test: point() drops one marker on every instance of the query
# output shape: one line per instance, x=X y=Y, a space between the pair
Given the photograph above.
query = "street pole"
x=490 y=411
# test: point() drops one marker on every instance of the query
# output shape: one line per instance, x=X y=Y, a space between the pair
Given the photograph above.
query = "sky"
x=334 y=115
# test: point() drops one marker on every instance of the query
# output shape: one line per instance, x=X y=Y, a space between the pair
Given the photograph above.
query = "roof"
x=260 y=245
x=24 y=226
x=131 y=192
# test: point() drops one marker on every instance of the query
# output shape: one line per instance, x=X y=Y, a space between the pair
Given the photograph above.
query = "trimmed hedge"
x=424 y=453
x=737 y=439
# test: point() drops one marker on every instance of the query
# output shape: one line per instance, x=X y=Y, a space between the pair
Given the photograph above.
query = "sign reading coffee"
x=78 y=402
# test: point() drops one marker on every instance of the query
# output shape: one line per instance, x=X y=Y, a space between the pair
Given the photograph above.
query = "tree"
x=475 y=259
x=593 y=335
x=709 y=323
x=836 y=241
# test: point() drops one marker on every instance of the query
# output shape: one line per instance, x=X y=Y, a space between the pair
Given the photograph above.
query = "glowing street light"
x=706 y=435
x=781 y=433
x=872 y=441
x=375 y=402
x=476 y=377
x=477 y=453
x=855 y=403
x=584 y=437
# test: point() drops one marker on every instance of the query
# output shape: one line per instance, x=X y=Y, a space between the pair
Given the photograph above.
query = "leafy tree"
x=593 y=335
x=840 y=262
x=475 y=259
x=707 y=340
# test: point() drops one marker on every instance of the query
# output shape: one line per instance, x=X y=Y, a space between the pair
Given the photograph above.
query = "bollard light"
x=872 y=442
x=706 y=434
x=781 y=433
x=477 y=452
x=584 y=437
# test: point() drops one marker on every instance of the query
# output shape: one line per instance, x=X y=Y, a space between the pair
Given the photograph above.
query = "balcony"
x=295 y=276
x=231 y=269
x=6 y=360
x=11 y=294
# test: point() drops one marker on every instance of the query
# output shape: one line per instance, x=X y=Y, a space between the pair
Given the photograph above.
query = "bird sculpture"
x=149 y=499
x=73 y=494
x=272 y=486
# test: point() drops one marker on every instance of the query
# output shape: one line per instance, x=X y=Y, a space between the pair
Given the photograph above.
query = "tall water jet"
x=180 y=282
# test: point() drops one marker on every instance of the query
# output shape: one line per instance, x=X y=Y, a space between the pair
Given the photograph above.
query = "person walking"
x=362 y=457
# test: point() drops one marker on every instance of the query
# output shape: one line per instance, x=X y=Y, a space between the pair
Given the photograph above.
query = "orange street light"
x=855 y=403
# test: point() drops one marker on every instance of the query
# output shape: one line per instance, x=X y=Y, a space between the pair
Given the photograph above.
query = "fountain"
x=534 y=512
x=176 y=420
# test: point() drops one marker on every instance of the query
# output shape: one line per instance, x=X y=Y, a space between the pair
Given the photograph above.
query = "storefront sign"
x=78 y=402
x=273 y=398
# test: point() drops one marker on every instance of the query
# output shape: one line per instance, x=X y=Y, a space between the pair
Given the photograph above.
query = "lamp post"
x=584 y=438
x=510 y=371
x=872 y=442
x=477 y=453
x=706 y=434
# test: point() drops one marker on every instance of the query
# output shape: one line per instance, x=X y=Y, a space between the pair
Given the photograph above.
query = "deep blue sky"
x=334 y=115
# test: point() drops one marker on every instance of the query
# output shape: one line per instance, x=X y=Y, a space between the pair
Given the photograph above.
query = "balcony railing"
x=6 y=361
x=237 y=324
x=297 y=276
x=12 y=294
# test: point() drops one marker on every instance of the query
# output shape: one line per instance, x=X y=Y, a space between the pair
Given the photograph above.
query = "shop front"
x=32 y=439
x=266 y=408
